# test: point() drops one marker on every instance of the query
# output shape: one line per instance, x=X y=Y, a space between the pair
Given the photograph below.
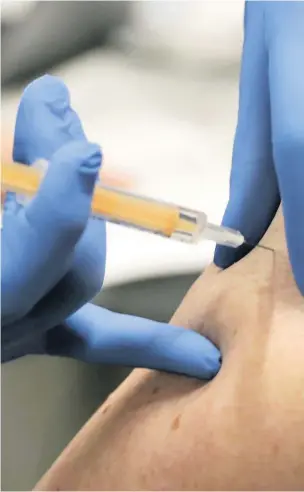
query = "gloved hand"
x=53 y=256
x=268 y=154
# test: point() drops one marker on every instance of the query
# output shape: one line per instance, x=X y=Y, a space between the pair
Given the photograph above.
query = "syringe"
x=131 y=210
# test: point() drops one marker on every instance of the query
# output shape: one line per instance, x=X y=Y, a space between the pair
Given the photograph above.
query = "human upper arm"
x=243 y=430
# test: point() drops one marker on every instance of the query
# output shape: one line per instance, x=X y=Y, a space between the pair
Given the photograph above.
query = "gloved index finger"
x=45 y=120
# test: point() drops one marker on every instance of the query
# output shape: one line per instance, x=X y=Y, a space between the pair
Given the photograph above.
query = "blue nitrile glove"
x=268 y=155
x=94 y=334
x=53 y=257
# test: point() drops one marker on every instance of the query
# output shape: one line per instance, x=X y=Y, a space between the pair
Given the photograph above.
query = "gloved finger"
x=95 y=334
x=254 y=196
x=38 y=243
x=286 y=78
x=45 y=120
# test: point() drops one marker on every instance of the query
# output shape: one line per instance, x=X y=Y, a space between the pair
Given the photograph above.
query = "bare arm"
x=244 y=430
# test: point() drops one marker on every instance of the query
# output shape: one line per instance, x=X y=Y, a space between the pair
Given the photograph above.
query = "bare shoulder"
x=244 y=430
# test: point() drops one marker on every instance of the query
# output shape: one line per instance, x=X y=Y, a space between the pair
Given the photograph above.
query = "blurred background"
x=155 y=83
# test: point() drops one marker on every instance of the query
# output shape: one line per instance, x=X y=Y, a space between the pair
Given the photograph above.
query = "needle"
x=265 y=247
x=260 y=246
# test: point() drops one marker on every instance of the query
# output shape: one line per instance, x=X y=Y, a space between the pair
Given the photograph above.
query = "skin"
x=242 y=431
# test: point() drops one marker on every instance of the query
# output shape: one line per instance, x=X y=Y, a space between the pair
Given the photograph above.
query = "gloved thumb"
x=63 y=202
x=43 y=234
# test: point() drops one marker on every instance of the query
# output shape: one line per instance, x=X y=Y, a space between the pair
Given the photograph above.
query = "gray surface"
x=43 y=413
x=155 y=298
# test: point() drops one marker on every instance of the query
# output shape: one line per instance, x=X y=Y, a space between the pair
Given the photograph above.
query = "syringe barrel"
x=147 y=214
x=117 y=206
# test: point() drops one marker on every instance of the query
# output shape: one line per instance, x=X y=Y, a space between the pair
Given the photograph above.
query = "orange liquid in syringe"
x=113 y=205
